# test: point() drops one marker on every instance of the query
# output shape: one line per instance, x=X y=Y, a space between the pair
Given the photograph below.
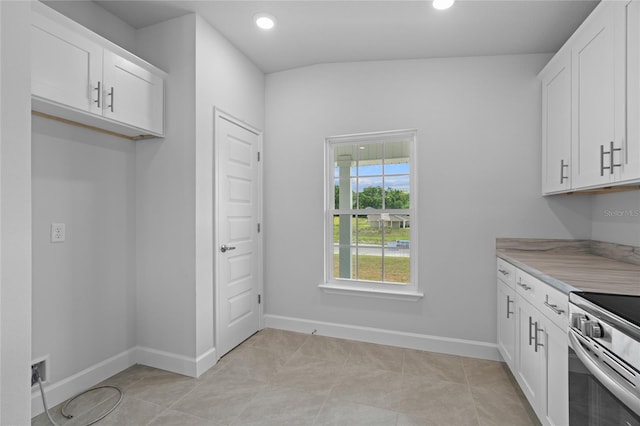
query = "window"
x=370 y=226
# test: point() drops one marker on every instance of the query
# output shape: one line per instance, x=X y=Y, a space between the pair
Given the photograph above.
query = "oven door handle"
x=620 y=389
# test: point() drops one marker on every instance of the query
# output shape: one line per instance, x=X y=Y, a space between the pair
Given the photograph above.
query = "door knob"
x=224 y=248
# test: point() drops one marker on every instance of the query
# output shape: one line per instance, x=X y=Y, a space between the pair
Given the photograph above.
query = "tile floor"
x=282 y=378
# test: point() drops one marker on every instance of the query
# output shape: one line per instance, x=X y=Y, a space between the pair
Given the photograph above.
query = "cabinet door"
x=598 y=67
x=556 y=401
x=507 y=323
x=66 y=68
x=529 y=362
x=133 y=95
x=631 y=148
x=556 y=126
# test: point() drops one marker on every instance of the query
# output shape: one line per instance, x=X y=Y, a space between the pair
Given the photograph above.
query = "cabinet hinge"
x=259 y=299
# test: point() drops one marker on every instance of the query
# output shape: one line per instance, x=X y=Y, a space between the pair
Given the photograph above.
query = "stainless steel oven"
x=604 y=359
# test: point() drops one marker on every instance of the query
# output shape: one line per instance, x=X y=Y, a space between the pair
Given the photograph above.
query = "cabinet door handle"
x=509 y=302
x=97 y=89
x=530 y=333
x=537 y=330
x=611 y=162
x=562 y=167
x=554 y=308
x=111 y=95
x=602 y=166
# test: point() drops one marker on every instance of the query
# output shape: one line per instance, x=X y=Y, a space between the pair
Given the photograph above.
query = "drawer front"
x=554 y=304
x=529 y=288
x=506 y=272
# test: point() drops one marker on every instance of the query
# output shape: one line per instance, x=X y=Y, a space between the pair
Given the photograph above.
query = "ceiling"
x=322 y=31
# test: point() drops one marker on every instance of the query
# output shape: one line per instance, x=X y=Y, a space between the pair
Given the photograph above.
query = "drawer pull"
x=526 y=287
x=523 y=285
x=554 y=308
x=503 y=272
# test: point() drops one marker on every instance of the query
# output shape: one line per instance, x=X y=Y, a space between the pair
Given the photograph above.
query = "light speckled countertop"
x=572 y=265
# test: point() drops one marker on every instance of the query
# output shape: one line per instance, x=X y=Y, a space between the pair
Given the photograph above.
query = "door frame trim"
x=220 y=114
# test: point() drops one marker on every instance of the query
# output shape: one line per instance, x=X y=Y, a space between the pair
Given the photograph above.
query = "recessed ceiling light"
x=443 y=4
x=265 y=21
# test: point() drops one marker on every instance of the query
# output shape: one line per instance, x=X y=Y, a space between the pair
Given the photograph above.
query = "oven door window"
x=590 y=403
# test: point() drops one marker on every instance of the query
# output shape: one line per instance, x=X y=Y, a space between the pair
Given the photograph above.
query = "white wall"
x=227 y=80
x=84 y=301
x=165 y=207
x=175 y=183
x=616 y=218
x=15 y=214
x=83 y=288
x=478 y=122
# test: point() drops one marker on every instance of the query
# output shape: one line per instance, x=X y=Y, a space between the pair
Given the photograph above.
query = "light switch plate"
x=57 y=232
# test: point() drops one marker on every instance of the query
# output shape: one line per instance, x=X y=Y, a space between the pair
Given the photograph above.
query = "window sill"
x=412 y=296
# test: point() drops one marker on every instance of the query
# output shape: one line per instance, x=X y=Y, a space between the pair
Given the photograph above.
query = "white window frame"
x=409 y=291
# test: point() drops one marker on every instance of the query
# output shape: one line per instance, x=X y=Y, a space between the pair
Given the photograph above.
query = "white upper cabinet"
x=631 y=149
x=598 y=70
x=133 y=94
x=556 y=126
x=79 y=77
x=598 y=58
x=66 y=67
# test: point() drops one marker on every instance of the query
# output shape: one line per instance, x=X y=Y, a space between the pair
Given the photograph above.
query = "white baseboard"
x=447 y=345
x=166 y=361
x=66 y=388
x=192 y=367
x=206 y=361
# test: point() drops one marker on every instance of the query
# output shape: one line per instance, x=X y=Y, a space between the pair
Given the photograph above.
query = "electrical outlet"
x=57 y=232
x=42 y=372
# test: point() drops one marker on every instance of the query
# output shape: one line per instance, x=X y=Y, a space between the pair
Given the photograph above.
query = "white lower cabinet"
x=530 y=359
x=533 y=343
x=507 y=323
x=555 y=408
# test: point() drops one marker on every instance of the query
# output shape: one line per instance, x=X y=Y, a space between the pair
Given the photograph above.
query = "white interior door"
x=238 y=238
